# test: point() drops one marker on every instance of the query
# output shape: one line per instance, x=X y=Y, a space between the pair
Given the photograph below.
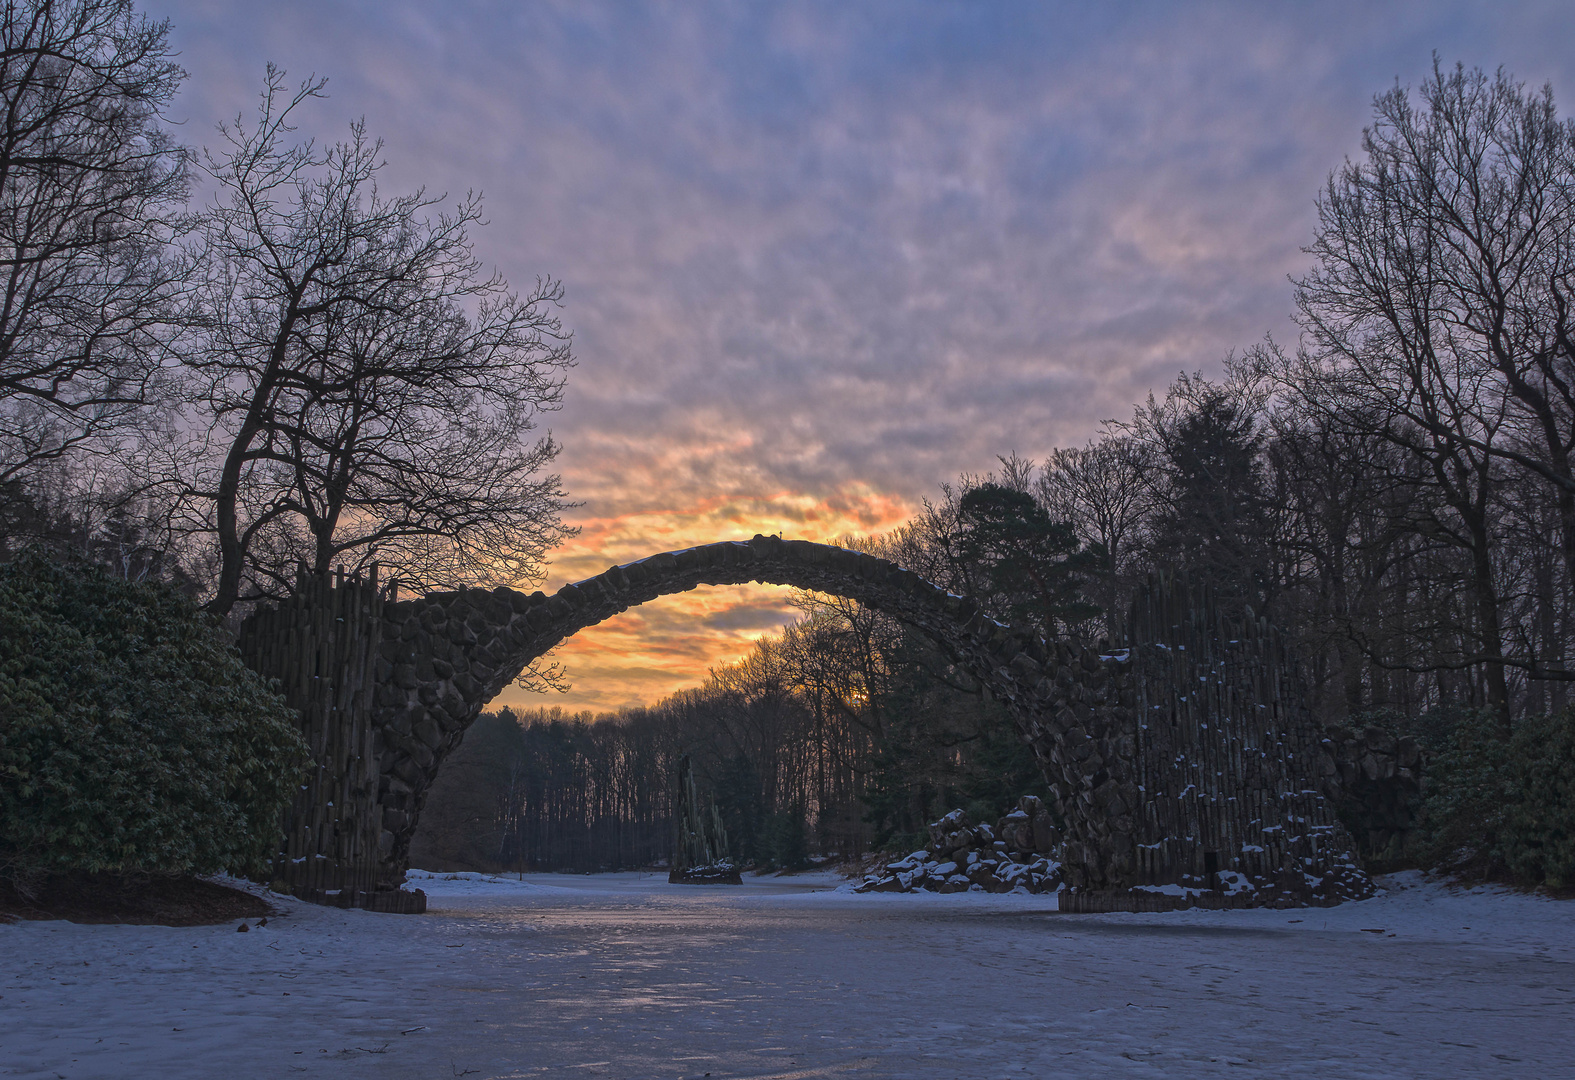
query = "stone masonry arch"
x=443 y=656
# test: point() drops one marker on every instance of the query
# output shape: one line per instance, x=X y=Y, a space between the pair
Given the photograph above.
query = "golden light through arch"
x=671 y=643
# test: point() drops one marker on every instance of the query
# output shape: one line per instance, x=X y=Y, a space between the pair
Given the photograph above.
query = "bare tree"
x=89 y=184
x=364 y=392
x=1454 y=243
x=1441 y=304
x=1350 y=538
x=1104 y=490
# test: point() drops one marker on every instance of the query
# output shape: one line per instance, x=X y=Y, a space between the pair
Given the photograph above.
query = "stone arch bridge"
x=1181 y=776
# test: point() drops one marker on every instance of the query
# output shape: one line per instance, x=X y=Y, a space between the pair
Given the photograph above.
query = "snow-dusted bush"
x=131 y=735
x=1506 y=806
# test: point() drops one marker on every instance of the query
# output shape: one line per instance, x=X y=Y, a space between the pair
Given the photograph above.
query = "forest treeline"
x=301 y=370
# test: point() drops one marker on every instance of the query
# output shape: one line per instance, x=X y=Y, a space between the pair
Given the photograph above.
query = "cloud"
x=658 y=648
x=820 y=257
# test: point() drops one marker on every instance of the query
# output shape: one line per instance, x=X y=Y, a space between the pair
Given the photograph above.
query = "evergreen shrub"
x=786 y=842
x=1505 y=807
x=132 y=738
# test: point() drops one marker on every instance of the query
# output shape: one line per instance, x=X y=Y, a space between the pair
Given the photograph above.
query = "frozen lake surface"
x=623 y=975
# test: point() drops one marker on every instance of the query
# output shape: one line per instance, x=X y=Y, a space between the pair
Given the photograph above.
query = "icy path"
x=624 y=976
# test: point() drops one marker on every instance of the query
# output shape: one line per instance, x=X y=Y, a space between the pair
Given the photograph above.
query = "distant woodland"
x=306 y=371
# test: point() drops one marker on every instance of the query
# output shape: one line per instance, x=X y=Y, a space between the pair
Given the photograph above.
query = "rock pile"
x=1015 y=854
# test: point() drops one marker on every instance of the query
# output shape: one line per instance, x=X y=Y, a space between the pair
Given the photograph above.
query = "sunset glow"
x=671 y=643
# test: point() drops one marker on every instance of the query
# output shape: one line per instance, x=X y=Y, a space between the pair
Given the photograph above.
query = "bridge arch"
x=445 y=655
x=1185 y=768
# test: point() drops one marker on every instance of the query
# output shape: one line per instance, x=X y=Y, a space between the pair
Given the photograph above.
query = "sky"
x=819 y=258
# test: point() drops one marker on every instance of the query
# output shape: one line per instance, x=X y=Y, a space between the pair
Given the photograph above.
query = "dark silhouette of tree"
x=1103 y=491
x=1210 y=517
x=364 y=392
x=1351 y=504
x=112 y=529
x=89 y=185
x=1446 y=273
x=1025 y=567
x=1440 y=311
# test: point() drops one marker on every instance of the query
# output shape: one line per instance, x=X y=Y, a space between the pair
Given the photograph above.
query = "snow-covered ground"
x=624 y=975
